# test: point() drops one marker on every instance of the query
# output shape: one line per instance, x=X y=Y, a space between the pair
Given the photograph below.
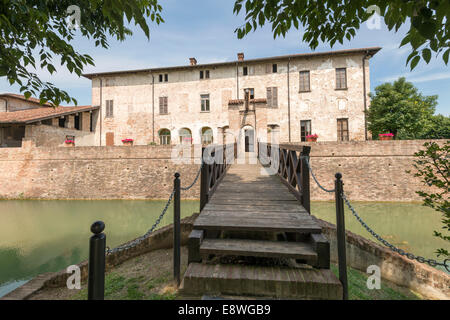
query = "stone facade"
x=135 y=99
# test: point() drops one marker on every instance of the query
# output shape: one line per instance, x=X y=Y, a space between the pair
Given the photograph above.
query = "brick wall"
x=53 y=136
x=140 y=172
x=372 y=170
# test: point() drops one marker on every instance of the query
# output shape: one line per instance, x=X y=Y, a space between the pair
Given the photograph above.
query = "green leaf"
x=426 y=54
x=414 y=62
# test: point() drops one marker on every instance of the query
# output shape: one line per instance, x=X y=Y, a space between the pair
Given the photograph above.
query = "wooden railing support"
x=204 y=178
x=304 y=178
x=340 y=230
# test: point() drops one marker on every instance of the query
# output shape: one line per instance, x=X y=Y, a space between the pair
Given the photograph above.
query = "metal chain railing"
x=147 y=234
x=195 y=180
x=315 y=179
x=157 y=222
x=431 y=262
x=402 y=252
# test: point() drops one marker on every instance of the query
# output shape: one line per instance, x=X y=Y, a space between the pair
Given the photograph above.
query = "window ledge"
x=341 y=89
x=205 y=111
x=308 y=91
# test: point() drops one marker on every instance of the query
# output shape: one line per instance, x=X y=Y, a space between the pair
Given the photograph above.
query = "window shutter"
x=274 y=97
x=269 y=97
x=161 y=105
x=166 y=106
x=268 y=68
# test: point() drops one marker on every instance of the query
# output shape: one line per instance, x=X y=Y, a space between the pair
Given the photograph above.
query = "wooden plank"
x=255 y=248
x=194 y=242
x=322 y=246
x=270 y=225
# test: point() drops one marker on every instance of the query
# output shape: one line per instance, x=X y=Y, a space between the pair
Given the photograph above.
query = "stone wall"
x=372 y=170
x=139 y=172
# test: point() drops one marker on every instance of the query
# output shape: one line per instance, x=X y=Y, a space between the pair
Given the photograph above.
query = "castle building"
x=292 y=96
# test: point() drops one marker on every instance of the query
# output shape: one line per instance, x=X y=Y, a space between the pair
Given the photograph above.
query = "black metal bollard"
x=340 y=229
x=176 y=230
x=97 y=251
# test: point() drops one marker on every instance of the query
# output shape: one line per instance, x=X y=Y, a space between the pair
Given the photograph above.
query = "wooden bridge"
x=255 y=235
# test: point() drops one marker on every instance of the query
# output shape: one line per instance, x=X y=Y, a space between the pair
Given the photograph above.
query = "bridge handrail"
x=292 y=168
x=213 y=173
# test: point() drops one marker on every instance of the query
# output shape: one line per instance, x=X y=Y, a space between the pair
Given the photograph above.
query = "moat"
x=46 y=236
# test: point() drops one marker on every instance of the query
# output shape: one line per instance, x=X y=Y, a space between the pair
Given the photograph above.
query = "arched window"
x=185 y=136
x=207 y=135
x=164 y=136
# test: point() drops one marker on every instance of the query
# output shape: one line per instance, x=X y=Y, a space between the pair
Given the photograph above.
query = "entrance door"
x=109 y=139
x=249 y=140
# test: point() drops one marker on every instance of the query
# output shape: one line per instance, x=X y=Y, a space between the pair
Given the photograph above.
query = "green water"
x=408 y=226
x=47 y=236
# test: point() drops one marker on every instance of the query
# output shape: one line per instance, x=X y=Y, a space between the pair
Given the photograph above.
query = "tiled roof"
x=22 y=97
x=39 y=114
x=241 y=101
x=371 y=51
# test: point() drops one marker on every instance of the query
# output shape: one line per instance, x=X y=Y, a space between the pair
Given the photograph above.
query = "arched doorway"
x=185 y=136
x=248 y=134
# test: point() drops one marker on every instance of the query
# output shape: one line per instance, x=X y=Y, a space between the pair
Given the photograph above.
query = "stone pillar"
x=55 y=122
x=85 y=121
x=70 y=122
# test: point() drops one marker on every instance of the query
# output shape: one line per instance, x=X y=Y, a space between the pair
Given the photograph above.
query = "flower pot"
x=69 y=145
x=311 y=139
x=128 y=143
x=386 y=138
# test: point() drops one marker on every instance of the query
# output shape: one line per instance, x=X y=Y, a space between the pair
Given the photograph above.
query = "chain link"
x=146 y=235
x=195 y=180
x=315 y=179
x=431 y=262
x=157 y=222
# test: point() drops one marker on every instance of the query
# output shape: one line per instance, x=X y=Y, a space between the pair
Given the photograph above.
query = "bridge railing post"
x=204 y=188
x=97 y=253
x=176 y=229
x=304 y=178
x=340 y=231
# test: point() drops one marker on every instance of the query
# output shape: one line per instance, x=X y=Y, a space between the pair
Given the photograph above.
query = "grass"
x=357 y=288
x=149 y=277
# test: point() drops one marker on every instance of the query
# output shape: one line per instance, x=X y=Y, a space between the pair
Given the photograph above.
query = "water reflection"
x=47 y=236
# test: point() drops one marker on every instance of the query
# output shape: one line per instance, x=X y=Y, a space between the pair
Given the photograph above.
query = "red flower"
x=127 y=140
x=69 y=141
x=312 y=136
x=386 y=135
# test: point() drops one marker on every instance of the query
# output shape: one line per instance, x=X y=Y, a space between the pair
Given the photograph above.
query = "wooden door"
x=109 y=139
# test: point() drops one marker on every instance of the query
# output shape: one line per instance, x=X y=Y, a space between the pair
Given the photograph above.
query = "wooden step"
x=257 y=221
x=257 y=248
x=277 y=282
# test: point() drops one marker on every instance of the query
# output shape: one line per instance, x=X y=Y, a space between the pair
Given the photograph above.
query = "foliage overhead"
x=400 y=109
x=432 y=165
x=333 y=21
x=38 y=28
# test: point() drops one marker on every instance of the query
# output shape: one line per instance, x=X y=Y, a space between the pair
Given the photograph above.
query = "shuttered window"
x=272 y=97
x=109 y=108
x=341 y=78
x=342 y=129
x=163 y=105
x=304 y=85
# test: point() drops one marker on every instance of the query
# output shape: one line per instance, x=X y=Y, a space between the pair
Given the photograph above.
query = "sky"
x=205 y=29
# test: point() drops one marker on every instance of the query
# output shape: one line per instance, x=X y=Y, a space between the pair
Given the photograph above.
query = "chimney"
x=240 y=56
x=193 y=61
